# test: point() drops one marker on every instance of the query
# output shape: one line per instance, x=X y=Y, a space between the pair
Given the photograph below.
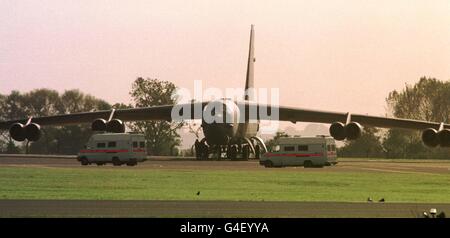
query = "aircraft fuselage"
x=226 y=123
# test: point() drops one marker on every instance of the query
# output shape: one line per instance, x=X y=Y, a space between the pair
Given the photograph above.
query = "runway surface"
x=102 y=208
x=106 y=208
x=425 y=167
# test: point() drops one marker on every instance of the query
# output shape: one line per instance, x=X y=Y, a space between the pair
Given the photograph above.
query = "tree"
x=368 y=145
x=70 y=139
x=45 y=102
x=426 y=100
x=162 y=137
x=12 y=107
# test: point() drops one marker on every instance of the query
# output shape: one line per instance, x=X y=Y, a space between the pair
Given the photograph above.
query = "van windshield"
x=331 y=147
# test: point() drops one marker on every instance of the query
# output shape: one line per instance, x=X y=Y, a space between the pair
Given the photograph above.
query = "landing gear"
x=232 y=153
x=201 y=150
x=257 y=152
x=236 y=149
x=245 y=152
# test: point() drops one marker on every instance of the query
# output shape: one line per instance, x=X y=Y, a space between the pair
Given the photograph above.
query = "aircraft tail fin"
x=250 y=64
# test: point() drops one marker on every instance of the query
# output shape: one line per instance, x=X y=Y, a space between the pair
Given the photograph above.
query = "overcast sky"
x=328 y=55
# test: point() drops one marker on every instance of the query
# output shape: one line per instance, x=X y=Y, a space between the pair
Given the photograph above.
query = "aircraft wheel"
x=233 y=152
x=205 y=153
x=245 y=152
x=198 y=150
x=257 y=152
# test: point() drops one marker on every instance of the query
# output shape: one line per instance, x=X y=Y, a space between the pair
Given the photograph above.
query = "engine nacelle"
x=99 y=125
x=444 y=138
x=430 y=137
x=33 y=132
x=337 y=131
x=353 y=131
x=115 y=126
x=20 y=132
x=17 y=132
x=433 y=138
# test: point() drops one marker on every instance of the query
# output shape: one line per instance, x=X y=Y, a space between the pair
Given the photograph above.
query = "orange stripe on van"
x=293 y=155
x=102 y=151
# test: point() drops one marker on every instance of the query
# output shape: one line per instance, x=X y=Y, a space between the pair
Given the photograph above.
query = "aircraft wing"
x=132 y=114
x=285 y=114
x=306 y=115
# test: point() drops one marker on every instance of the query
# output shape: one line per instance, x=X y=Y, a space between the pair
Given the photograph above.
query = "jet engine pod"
x=17 y=132
x=116 y=126
x=337 y=130
x=430 y=137
x=33 y=132
x=20 y=132
x=99 y=125
x=353 y=131
x=444 y=138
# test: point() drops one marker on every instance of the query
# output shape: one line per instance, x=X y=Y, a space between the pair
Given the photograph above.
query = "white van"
x=316 y=151
x=115 y=148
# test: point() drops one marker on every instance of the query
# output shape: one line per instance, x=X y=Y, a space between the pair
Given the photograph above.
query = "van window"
x=289 y=148
x=101 y=145
x=112 y=144
x=333 y=147
x=142 y=144
x=303 y=148
x=135 y=144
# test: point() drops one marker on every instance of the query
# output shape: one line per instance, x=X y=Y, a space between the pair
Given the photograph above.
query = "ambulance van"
x=115 y=148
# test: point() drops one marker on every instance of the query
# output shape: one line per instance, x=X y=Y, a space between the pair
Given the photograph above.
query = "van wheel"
x=308 y=164
x=116 y=161
x=84 y=161
x=132 y=163
x=268 y=164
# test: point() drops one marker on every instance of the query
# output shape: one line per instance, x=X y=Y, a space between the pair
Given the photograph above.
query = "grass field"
x=267 y=185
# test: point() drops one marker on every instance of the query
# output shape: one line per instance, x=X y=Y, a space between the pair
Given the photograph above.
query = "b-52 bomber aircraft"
x=236 y=135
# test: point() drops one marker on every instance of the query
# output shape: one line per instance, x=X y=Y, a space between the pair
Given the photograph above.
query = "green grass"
x=268 y=185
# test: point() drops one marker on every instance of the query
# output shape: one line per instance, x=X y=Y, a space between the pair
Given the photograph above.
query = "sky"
x=327 y=55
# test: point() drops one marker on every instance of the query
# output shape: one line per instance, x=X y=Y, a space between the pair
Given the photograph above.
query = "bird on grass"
x=381 y=200
x=198 y=193
x=369 y=199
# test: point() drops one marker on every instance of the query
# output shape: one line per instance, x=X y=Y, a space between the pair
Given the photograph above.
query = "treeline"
x=45 y=102
x=429 y=100
x=161 y=136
